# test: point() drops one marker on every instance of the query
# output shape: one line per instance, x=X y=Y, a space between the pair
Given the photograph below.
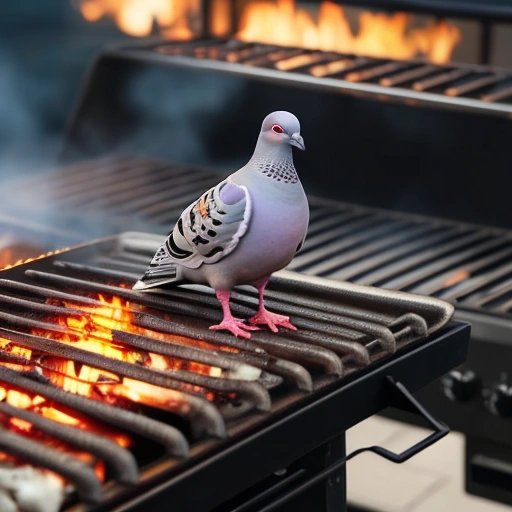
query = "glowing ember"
x=93 y=332
x=379 y=34
x=28 y=260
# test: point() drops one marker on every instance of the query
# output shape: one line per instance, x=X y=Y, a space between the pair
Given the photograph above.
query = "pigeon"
x=242 y=230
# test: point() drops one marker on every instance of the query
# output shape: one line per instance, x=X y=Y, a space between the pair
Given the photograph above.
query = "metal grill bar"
x=169 y=437
x=303 y=61
x=426 y=271
x=376 y=71
x=269 y=59
x=120 y=462
x=349 y=326
x=438 y=283
x=371 y=268
x=293 y=372
x=405 y=80
x=469 y=286
x=171 y=379
x=407 y=76
x=82 y=476
x=473 y=85
x=344 y=242
x=72 y=186
x=499 y=93
x=288 y=370
x=320 y=259
x=288 y=349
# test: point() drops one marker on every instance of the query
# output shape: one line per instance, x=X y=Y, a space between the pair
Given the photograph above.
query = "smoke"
x=26 y=144
x=33 y=107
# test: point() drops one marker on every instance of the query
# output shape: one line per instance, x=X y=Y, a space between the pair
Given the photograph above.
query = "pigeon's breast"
x=278 y=224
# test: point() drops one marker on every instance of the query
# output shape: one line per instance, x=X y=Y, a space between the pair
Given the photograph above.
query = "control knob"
x=499 y=400
x=461 y=386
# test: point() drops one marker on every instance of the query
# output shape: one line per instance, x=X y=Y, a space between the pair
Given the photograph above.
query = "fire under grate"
x=473 y=86
x=215 y=386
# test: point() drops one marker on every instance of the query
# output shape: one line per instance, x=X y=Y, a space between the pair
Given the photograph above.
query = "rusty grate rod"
x=82 y=476
x=291 y=371
x=287 y=369
x=351 y=349
x=47 y=293
x=166 y=435
x=169 y=379
x=81 y=188
x=197 y=406
x=288 y=349
x=301 y=353
x=225 y=362
x=426 y=309
x=208 y=309
x=120 y=462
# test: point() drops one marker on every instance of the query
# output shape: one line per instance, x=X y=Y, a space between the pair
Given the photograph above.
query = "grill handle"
x=404 y=400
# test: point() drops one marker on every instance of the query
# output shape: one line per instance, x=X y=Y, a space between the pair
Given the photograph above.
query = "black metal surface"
x=440 y=430
x=498 y=10
x=401 y=318
x=434 y=144
x=228 y=55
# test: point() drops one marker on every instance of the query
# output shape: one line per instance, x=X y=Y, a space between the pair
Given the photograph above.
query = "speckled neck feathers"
x=274 y=162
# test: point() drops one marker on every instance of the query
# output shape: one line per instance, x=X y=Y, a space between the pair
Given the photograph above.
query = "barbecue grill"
x=262 y=404
x=390 y=144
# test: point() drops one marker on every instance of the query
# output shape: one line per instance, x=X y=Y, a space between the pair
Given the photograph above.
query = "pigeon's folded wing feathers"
x=209 y=229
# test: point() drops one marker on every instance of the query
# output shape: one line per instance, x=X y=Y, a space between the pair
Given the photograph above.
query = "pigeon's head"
x=281 y=128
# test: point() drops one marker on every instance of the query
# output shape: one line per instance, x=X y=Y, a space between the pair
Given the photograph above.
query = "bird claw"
x=272 y=320
x=241 y=323
x=236 y=327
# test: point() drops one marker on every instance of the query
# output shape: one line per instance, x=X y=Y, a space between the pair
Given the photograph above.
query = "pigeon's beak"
x=297 y=141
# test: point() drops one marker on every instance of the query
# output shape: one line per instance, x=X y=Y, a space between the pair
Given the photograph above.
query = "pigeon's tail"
x=158 y=277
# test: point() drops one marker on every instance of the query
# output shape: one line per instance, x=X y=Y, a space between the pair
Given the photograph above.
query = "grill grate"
x=473 y=86
x=342 y=329
x=465 y=264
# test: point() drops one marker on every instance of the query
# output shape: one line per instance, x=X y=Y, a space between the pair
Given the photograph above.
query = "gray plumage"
x=243 y=229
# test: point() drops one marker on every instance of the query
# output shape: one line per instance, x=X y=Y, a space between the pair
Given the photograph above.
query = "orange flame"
x=41 y=256
x=93 y=332
x=137 y=17
x=379 y=34
x=282 y=23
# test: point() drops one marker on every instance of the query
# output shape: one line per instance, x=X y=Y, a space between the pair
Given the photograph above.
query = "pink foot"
x=272 y=320
x=235 y=326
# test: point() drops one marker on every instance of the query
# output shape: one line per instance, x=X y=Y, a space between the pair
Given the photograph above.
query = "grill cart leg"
x=329 y=495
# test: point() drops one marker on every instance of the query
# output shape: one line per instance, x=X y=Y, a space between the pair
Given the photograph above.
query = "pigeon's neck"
x=274 y=162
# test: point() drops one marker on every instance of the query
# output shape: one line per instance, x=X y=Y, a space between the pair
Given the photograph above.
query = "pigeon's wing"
x=301 y=244
x=209 y=229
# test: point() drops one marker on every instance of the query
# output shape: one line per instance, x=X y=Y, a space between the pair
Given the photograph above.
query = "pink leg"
x=229 y=323
x=263 y=316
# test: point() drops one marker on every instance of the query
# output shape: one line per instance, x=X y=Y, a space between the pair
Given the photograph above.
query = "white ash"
x=244 y=372
x=24 y=489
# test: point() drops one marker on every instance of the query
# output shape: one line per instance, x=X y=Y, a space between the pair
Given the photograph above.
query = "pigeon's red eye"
x=277 y=129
